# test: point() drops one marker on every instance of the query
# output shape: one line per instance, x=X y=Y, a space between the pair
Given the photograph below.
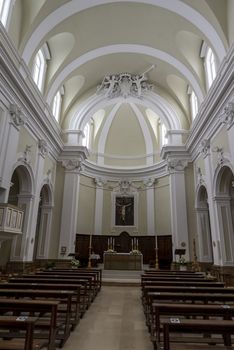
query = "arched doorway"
x=204 y=231
x=225 y=210
x=42 y=236
x=20 y=194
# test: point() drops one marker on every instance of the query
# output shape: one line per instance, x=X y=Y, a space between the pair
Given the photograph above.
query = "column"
x=98 y=206
x=206 y=152
x=70 y=206
x=149 y=184
x=179 y=222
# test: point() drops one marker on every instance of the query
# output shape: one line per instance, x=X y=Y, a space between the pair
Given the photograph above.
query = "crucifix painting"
x=124 y=211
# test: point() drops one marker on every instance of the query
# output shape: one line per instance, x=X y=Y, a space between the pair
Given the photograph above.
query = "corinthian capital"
x=176 y=165
x=16 y=115
x=227 y=117
x=42 y=145
x=72 y=164
x=100 y=182
x=205 y=147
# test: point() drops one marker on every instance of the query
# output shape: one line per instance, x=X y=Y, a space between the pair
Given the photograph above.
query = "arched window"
x=38 y=69
x=86 y=138
x=57 y=102
x=193 y=103
x=210 y=64
x=5 y=9
x=164 y=135
x=40 y=65
x=210 y=67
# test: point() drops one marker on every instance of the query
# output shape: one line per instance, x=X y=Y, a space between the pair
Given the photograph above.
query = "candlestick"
x=113 y=244
x=132 y=244
x=137 y=243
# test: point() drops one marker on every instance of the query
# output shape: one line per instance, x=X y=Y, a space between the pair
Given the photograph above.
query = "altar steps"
x=124 y=278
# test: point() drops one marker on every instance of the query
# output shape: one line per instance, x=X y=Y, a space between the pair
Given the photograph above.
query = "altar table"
x=122 y=261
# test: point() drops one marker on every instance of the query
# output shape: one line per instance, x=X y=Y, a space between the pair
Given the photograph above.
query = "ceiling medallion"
x=124 y=85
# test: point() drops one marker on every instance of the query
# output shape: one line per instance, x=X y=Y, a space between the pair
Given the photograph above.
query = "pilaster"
x=10 y=144
x=206 y=152
x=100 y=182
x=179 y=221
x=149 y=184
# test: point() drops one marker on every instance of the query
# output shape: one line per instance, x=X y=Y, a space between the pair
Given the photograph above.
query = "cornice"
x=18 y=87
x=136 y=173
x=221 y=92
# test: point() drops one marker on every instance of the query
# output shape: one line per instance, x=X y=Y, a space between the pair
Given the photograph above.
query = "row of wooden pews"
x=177 y=303
x=41 y=309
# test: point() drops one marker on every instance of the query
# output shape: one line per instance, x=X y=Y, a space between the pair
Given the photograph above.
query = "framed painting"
x=124 y=211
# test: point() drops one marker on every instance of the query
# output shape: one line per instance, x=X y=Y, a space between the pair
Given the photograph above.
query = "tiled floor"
x=115 y=321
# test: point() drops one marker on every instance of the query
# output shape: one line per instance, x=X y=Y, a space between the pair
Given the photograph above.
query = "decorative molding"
x=200 y=177
x=124 y=85
x=176 y=165
x=100 y=182
x=227 y=117
x=72 y=164
x=26 y=155
x=16 y=115
x=219 y=151
x=149 y=182
x=43 y=148
x=205 y=147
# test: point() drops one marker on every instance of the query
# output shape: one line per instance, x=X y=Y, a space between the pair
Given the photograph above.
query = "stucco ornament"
x=124 y=85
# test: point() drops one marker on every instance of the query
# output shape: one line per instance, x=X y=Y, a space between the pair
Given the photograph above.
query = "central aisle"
x=114 y=321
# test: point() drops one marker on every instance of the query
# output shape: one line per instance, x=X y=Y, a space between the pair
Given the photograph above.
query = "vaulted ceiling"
x=89 y=39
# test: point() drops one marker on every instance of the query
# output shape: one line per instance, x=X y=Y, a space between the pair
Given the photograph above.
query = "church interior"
x=117 y=149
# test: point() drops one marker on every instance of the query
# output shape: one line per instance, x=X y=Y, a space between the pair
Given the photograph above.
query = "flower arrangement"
x=110 y=251
x=75 y=263
x=135 y=251
x=182 y=261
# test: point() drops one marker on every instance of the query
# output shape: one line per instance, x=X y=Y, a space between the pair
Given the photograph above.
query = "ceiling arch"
x=125 y=48
x=74 y=6
x=151 y=100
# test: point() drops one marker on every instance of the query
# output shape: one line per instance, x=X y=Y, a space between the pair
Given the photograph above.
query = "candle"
x=137 y=243
x=113 y=244
x=156 y=242
x=108 y=243
x=132 y=244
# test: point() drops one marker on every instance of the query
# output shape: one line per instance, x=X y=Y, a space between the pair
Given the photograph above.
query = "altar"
x=122 y=261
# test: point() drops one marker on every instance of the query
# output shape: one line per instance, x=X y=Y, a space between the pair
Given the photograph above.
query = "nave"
x=114 y=321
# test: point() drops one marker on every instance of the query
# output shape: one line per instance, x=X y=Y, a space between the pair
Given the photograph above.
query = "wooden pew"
x=92 y=277
x=85 y=291
x=78 y=305
x=19 y=324
x=202 y=298
x=226 y=328
x=185 y=310
x=35 y=306
x=98 y=272
x=64 y=308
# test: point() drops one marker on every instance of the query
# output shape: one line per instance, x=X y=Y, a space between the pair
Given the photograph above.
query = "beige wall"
x=162 y=206
x=26 y=139
x=230 y=22
x=86 y=206
x=219 y=141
